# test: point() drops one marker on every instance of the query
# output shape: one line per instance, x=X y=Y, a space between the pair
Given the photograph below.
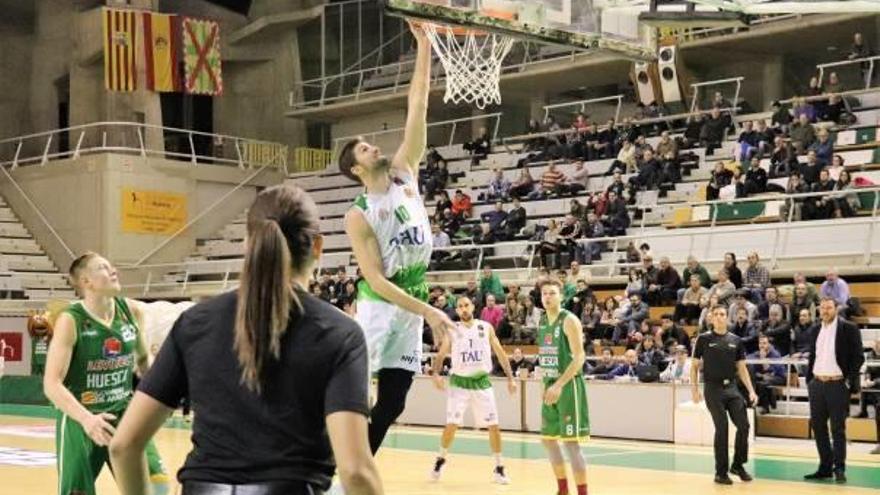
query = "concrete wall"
x=82 y=200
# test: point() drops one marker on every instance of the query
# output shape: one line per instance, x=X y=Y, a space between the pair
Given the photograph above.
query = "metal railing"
x=581 y=105
x=867 y=72
x=452 y=124
x=737 y=81
x=310 y=159
x=143 y=140
x=154 y=275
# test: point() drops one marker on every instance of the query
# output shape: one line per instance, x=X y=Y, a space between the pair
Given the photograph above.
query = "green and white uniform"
x=402 y=228
x=100 y=377
x=569 y=417
x=469 y=385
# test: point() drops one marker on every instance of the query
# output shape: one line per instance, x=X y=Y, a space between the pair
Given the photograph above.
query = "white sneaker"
x=438 y=466
x=499 y=476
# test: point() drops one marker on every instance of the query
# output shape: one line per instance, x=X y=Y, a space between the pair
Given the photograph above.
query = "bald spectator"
x=835 y=287
x=757 y=278
x=626 y=368
x=771 y=297
x=519 y=365
x=778 y=330
x=724 y=289
x=695 y=268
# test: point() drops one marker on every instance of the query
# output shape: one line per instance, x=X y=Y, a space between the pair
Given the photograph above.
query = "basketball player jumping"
x=564 y=415
x=471 y=344
x=391 y=239
x=96 y=345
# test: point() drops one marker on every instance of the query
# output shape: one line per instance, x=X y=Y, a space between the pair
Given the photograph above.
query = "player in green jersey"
x=96 y=346
x=564 y=414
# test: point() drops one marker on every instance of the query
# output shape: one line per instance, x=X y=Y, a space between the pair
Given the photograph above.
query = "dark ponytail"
x=282 y=224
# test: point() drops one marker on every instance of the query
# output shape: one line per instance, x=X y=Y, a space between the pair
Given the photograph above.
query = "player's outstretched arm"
x=415 y=134
x=369 y=259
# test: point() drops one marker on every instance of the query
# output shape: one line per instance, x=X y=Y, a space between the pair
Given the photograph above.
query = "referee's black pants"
x=721 y=400
x=829 y=401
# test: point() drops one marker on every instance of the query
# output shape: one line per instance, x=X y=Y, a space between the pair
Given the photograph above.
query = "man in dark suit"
x=832 y=374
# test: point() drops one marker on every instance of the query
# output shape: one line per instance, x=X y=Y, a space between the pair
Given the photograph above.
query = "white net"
x=472 y=62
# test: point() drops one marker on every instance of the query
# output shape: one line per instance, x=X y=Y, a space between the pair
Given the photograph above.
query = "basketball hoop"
x=472 y=60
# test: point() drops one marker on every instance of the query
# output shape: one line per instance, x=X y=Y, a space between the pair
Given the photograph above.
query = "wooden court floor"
x=615 y=467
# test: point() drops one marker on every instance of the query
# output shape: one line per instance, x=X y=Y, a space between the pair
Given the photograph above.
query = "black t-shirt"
x=239 y=436
x=719 y=354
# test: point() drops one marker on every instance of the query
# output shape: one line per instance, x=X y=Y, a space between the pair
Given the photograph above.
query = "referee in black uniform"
x=722 y=356
x=277 y=377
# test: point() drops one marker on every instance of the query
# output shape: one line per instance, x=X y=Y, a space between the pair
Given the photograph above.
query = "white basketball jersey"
x=471 y=350
x=402 y=227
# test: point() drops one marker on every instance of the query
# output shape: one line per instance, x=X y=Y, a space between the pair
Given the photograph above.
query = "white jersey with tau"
x=471 y=349
x=402 y=228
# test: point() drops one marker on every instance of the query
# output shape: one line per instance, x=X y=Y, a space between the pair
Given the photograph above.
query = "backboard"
x=572 y=24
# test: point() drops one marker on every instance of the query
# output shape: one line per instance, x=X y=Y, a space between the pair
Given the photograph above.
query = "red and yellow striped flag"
x=161 y=46
x=120 y=27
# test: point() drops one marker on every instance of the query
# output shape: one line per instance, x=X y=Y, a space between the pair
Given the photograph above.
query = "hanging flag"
x=120 y=73
x=201 y=49
x=161 y=46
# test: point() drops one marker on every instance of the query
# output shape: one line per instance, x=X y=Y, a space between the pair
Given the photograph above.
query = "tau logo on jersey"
x=412 y=236
x=128 y=333
x=112 y=347
x=471 y=357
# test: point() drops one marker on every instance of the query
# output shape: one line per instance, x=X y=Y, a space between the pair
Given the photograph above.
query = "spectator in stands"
x=491 y=284
x=441 y=240
x=514 y=320
x=650 y=354
x=771 y=297
x=605 y=365
x=648 y=177
x=733 y=271
x=348 y=295
x=679 y=370
x=689 y=306
x=712 y=133
x=617 y=185
x=480 y=147
x=553 y=180
x=450 y=223
x=766 y=376
x=782 y=158
x=859 y=50
x=583 y=295
x=820 y=207
x=781 y=118
x=590 y=319
x=755 y=181
x=461 y=205
x=823 y=146
x=492 y=313
x=649 y=273
x=670 y=331
x=800 y=107
x=550 y=245
x=609 y=318
x=802 y=133
x=625 y=368
x=778 y=330
x=744 y=329
x=836 y=288
x=616 y=217
x=593 y=230
x=723 y=289
x=802 y=300
x=747 y=143
x=814 y=88
x=519 y=363
x=433 y=158
x=516 y=219
x=475 y=295
x=536 y=143
x=499 y=187
x=442 y=304
x=579 y=178
x=721 y=177
x=533 y=318
x=568 y=236
x=845 y=205
x=692 y=132
x=801 y=334
x=443 y=203
x=757 y=278
x=641 y=144
x=626 y=159
x=836 y=167
x=523 y=186
x=632 y=319
x=636 y=283
x=695 y=268
x=766 y=136
x=594 y=148
x=793 y=207
x=835 y=111
x=608 y=139
x=436 y=180
x=666 y=284
x=740 y=300
x=495 y=219
x=577 y=210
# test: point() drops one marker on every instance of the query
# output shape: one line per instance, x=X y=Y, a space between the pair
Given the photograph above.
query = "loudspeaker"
x=645 y=76
x=667 y=65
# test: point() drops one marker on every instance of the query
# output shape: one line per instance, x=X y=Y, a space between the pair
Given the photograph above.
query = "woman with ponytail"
x=276 y=377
